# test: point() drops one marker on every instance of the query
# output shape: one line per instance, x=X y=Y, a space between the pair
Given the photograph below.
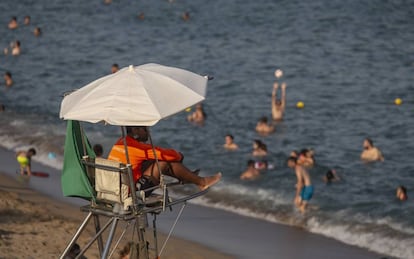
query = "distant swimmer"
x=331 y=176
x=251 y=172
x=13 y=23
x=37 y=32
x=229 y=143
x=402 y=193
x=198 y=116
x=185 y=16
x=263 y=127
x=259 y=148
x=24 y=158
x=8 y=80
x=370 y=152
x=278 y=106
x=26 y=20
x=141 y=16
x=304 y=188
x=114 y=68
x=16 y=48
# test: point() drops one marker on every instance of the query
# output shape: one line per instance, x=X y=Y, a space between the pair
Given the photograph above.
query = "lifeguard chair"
x=112 y=196
x=135 y=96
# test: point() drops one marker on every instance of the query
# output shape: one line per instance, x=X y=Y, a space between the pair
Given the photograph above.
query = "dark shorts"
x=145 y=182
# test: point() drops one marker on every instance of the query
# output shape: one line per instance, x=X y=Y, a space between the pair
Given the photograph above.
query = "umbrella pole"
x=131 y=179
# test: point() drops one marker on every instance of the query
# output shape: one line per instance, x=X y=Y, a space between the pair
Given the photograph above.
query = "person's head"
x=17 y=43
x=31 y=152
x=199 y=106
x=7 y=75
x=291 y=162
x=368 y=143
x=293 y=153
x=37 y=31
x=27 y=20
x=263 y=119
x=402 y=193
x=229 y=139
x=114 y=68
x=139 y=133
x=258 y=144
x=98 y=149
x=329 y=176
x=250 y=163
x=14 y=18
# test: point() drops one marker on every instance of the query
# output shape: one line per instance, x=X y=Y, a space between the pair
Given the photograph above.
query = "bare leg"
x=182 y=173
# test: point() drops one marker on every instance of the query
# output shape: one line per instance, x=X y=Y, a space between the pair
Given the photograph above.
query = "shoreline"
x=220 y=231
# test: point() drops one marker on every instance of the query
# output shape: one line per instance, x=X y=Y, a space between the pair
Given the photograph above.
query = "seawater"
x=346 y=60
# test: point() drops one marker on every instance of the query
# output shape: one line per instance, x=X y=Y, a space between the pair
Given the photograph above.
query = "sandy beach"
x=39 y=224
x=33 y=225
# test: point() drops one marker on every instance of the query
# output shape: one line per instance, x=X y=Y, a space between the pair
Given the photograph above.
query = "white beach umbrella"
x=140 y=95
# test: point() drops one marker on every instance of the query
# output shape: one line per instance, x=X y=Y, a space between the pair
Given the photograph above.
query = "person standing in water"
x=24 y=158
x=304 y=188
x=278 y=106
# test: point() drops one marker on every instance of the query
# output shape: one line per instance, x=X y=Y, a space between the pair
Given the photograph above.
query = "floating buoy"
x=398 y=101
x=188 y=109
x=300 y=105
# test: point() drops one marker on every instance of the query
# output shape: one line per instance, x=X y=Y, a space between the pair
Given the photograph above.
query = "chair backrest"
x=111 y=180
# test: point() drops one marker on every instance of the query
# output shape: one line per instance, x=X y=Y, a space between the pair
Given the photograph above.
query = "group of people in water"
x=301 y=161
x=14 y=48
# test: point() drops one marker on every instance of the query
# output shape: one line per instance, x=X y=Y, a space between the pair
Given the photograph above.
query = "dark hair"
x=129 y=128
x=229 y=135
x=32 y=150
x=18 y=43
x=403 y=189
x=98 y=149
x=115 y=65
x=329 y=175
x=371 y=143
x=261 y=144
x=8 y=74
x=263 y=119
x=292 y=159
x=250 y=162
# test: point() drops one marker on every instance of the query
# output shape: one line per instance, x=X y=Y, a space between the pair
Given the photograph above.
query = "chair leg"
x=77 y=234
x=110 y=237
x=97 y=229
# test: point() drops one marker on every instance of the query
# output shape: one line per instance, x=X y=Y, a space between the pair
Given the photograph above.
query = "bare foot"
x=210 y=181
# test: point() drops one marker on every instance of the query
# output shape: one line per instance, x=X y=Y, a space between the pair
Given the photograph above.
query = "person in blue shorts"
x=304 y=188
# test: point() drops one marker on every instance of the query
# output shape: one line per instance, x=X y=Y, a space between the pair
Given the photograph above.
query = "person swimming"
x=331 y=176
x=401 y=193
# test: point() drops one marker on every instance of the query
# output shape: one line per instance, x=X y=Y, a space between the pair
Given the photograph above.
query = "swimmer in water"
x=16 y=48
x=114 y=68
x=278 y=106
x=331 y=176
x=229 y=143
x=370 y=152
x=251 y=172
x=198 y=116
x=263 y=127
x=259 y=148
x=8 y=80
x=402 y=193
x=24 y=158
x=13 y=23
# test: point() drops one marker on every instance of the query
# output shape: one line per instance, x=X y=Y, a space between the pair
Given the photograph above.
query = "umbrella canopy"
x=140 y=95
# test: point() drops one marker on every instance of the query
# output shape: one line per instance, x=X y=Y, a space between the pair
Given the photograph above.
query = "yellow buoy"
x=300 y=105
x=398 y=101
x=188 y=109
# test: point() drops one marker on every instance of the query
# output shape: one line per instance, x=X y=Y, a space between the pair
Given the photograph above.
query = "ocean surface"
x=346 y=60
